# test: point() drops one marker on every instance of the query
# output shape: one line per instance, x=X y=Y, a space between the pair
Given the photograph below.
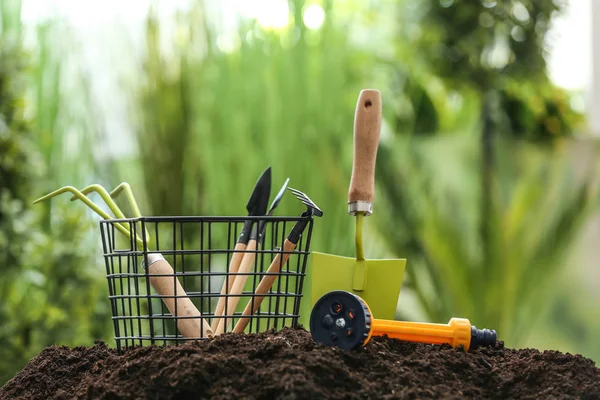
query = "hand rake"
x=161 y=275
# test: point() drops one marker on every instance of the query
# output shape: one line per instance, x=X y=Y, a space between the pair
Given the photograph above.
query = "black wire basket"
x=188 y=276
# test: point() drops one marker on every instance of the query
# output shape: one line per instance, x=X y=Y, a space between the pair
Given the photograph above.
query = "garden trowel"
x=378 y=282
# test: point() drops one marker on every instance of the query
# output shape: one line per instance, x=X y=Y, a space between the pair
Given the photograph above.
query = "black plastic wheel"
x=340 y=319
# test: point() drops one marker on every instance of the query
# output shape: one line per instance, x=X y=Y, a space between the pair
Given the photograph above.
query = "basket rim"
x=212 y=218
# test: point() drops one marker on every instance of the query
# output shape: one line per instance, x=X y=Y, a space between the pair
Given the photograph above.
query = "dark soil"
x=290 y=365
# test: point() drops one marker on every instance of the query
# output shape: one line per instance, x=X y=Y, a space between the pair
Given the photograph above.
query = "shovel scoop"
x=378 y=282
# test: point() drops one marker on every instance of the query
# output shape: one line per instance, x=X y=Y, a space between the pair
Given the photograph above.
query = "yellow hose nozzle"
x=344 y=320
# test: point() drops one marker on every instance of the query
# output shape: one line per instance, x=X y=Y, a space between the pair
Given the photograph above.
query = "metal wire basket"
x=152 y=306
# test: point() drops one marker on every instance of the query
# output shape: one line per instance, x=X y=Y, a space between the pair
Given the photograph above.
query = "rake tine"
x=308 y=203
x=108 y=199
x=306 y=200
x=300 y=195
x=303 y=198
x=109 y=202
x=317 y=211
x=125 y=187
x=312 y=203
x=105 y=196
x=87 y=202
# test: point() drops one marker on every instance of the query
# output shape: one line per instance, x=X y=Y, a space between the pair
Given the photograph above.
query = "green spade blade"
x=378 y=282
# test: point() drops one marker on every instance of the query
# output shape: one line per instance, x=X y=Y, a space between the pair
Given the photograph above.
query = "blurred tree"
x=484 y=54
x=50 y=291
x=18 y=168
x=498 y=49
x=466 y=242
x=199 y=100
x=165 y=129
x=541 y=204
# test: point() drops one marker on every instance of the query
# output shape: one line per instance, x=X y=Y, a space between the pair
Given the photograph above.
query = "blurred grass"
x=540 y=205
x=225 y=117
x=53 y=289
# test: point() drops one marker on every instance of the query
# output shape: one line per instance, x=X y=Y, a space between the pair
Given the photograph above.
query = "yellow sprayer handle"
x=455 y=333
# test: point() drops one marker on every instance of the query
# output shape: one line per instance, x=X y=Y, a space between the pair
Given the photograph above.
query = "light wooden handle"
x=238 y=284
x=234 y=265
x=367 y=127
x=265 y=285
x=189 y=327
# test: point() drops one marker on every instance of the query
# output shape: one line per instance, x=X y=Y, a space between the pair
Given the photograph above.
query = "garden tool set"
x=163 y=278
x=339 y=317
x=344 y=320
x=377 y=281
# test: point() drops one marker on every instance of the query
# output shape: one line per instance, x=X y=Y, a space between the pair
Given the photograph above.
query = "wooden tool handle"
x=234 y=265
x=238 y=284
x=189 y=327
x=367 y=126
x=265 y=285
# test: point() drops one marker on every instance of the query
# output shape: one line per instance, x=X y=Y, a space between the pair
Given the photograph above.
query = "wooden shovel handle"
x=189 y=327
x=238 y=284
x=234 y=266
x=265 y=285
x=367 y=127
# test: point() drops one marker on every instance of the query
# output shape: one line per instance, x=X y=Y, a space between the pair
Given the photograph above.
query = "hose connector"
x=482 y=337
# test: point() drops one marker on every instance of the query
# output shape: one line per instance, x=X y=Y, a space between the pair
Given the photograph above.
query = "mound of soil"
x=289 y=365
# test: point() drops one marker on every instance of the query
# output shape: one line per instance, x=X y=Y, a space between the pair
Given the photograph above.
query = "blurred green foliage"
x=476 y=181
x=538 y=208
x=51 y=290
x=215 y=113
x=487 y=215
x=490 y=53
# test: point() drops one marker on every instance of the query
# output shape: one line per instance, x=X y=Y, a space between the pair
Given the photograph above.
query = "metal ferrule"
x=152 y=258
x=364 y=207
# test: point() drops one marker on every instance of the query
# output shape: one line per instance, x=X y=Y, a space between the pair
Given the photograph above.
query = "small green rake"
x=162 y=277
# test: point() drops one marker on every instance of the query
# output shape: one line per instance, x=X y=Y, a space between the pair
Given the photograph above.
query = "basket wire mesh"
x=199 y=250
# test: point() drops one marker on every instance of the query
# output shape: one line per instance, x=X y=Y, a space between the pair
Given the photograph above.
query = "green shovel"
x=377 y=282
